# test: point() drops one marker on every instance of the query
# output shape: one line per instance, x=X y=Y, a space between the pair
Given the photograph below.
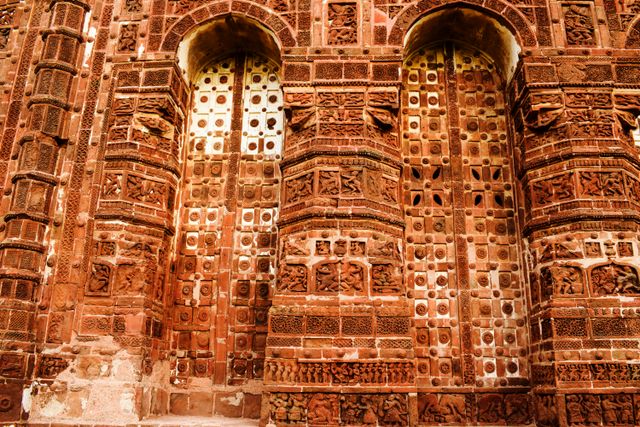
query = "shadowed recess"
x=225 y=36
x=472 y=28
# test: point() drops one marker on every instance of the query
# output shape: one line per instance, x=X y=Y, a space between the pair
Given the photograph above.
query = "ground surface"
x=168 y=421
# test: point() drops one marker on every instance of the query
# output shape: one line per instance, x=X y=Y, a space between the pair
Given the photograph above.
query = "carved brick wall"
x=462 y=253
x=31 y=191
x=320 y=213
x=225 y=264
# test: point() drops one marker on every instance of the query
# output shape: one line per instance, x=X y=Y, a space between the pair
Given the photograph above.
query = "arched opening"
x=223 y=37
x=470 y=27
x=239 y=93
x=225 y=249
x=462 y=250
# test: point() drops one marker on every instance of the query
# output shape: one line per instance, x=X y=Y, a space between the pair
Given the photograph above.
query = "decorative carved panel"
x=226 y=255
x=463 y=254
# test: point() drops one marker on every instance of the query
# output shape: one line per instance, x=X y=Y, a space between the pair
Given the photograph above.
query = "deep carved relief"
x=343 y=23
x=368 y=269
x=562 y=280
x=613 y=278
x=578 y=24
x=293 y=278
x=128 y=38
x=99 y=280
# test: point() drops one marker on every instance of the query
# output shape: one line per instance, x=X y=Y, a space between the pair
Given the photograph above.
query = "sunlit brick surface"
x=317 y=213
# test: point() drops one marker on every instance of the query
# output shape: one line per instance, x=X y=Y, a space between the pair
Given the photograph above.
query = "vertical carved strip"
x=582 y=249
x=340 y=232
x=458 y=205
x=33 y=186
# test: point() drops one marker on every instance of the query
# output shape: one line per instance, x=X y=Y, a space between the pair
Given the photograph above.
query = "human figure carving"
x=327 y=278
x=132 y=6
x=294 y=249
x=574 y=410
x=99 y=281
x=615 y=279
x=543 y=192
x=299 y=188
x=353 y=278
x=394 y=411
x=328 y=183
x=612 y=184
x=389 y=191
x=591 y=409
x=128 y=36
x=579 y=25
x=320 y=409
x=351 y=181
x=383 y=279
x=293 y=278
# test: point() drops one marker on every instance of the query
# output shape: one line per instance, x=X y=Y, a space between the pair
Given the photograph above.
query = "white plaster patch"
x=126 y=402
x=53 y=408
x=122 y=368
x=235 y=401
x=89 y=46
x=26 y=398
x=196 y=290
x=352 y=355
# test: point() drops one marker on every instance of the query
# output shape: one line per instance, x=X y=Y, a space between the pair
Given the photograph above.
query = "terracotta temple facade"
x=316 y=213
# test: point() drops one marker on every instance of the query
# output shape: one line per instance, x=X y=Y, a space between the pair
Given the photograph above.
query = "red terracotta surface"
x=320 y=213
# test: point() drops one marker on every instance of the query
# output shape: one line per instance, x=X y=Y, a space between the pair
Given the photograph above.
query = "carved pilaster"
x=120 y=308
x=578 y=168
x=341 y=319
x=33 y=187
